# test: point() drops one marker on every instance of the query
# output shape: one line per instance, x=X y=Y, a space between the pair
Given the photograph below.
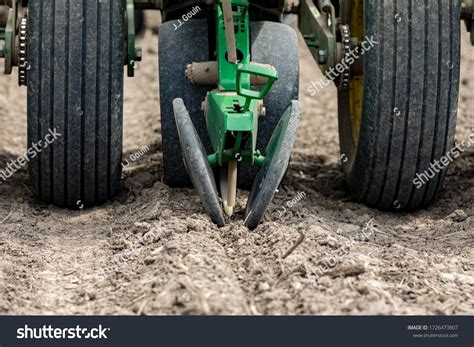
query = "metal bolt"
x=262 y=111
x=322 y=58
x=138 y=54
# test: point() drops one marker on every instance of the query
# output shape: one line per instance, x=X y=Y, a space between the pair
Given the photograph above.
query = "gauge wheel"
x=397 y=113
x=75 y=100
x=177 y=49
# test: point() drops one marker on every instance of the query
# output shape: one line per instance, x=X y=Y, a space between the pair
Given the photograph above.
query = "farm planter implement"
x=229 y=83
x=232 y=112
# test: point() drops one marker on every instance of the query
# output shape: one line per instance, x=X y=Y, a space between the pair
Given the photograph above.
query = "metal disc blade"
x=274 y=168
x=197 y=165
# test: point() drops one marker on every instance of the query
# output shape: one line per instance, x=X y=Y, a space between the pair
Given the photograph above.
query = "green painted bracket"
x=228 y=124
x=9 y=37
x=134 y=54
x=227 y=70
x=232 y=110
x=320 y=36
x=249 y=69
x=130 y=38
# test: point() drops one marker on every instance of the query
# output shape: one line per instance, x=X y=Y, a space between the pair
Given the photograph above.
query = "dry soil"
x=153 y=250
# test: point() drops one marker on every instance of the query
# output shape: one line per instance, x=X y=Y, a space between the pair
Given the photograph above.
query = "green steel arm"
x=232 y=109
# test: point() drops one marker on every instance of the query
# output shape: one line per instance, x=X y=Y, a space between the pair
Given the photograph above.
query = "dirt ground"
x=154 y=251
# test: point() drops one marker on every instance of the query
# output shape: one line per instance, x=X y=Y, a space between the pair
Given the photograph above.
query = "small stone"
x=264 y=287
x=149 y=261
x=15 y=217
x=297 y=286
x=458 y=216
x=323 y=242
x=405 y=228
x=347 y=270
x=158 y=250
x=349 y=230
x=324 y=281
x=141 y=228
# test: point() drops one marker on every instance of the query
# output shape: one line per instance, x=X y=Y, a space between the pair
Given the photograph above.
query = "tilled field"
x=154 y=251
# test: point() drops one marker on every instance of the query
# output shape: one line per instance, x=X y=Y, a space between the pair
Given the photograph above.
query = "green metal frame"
x=317 y=23
x=227 y=70
x=134 y=54
x=320 y=36
x=233 y=110
x=9 y=32
x=131 y=54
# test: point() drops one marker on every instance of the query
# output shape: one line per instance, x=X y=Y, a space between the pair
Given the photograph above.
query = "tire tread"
x=75 y=85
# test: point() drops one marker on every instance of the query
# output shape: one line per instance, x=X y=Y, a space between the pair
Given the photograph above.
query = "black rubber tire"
x=275 y=44
x=75 y=85
x=189 y=44
x=177 y=49
x=139 y=22
x=411 y=86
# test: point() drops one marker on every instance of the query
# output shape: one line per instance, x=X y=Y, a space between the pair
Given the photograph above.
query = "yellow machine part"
x=356 y=84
